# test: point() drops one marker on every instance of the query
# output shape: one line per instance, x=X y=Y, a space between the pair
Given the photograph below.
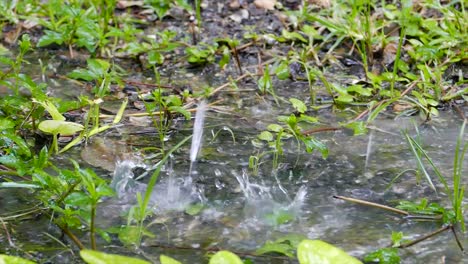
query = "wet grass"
x=399 y=58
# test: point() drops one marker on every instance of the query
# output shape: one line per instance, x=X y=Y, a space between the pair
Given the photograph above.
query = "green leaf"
x=4 y=52
x=87 y=34
x=96 y=70
x=14 y=260
x=155 y=57
x=311 y=32
x=98 y=66
x=168 y=260
x=345 y=98
x=359 y=128
x=121 y=111
x=264 y=83
x=225 y=58
x=181 y=110
x=50 y=107
x=134 y=48
x=129 y=235
x=60 y=127
x=194 y=209
x=79 y=199
x=298 y=105
x=360 y=90
x=281 y=248
x=396 y=238
x=317 y=251
x=41 y=160
x=275 y=128
x=104 y=190
x=50 y=37
x=283 y=217
x=384 y=256
x=20 y=143
x=25 y=43
x=10 y=160
x=312 y=143
x=266 y=136
x=293 y=36
x=285 y=245
x=96 y=257
x=83 y=74
x=282 y=71
x=104 y=235
x=308 y=119
x=225 y=257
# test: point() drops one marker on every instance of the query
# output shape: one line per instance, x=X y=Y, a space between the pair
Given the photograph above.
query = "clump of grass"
x=455 y=192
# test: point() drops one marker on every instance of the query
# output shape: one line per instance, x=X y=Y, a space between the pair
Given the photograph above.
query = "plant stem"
x=460 y=245
x=92 y=227
x=198 y=12
x=376 y=205
x=397 y=58
x=55 y=144
x=72 y=236
x=414 y=242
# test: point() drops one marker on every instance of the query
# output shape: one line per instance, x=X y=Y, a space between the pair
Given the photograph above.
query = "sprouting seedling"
x=57 y=125
x=61 y=127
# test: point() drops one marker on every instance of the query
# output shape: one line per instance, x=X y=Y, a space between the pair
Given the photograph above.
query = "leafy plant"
x=70 y=25
x=13 y=72
x=289 y=127
x=162 y=7
x=201 y=54
x=430 y=211
x=94 y=188
x=456 y=193
x=164 y=108
x=142 y=210
x=99 y=71
x=154 y=46
x=286 y=245
x=384 y=256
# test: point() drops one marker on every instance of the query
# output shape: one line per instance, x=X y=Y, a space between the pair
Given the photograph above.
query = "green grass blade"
x=434 y=167
x=155 y=175
x=413 y=146
x=458 y=189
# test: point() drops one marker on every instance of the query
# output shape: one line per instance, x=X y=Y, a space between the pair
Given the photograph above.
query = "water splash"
x=368 y=151
x=270 y=205
x=171 y=193
x=174 y=193
x=123 y=180
x=197 y=134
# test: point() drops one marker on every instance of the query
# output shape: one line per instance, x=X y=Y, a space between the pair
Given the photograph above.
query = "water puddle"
x=207 y=197
x=241 y=211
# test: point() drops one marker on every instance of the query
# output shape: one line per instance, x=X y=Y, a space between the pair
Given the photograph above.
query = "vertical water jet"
x=197 y=134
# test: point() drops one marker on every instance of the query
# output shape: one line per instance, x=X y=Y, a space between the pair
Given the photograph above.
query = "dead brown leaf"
x=11 y=36
x=389 y=53
x=400 y=107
